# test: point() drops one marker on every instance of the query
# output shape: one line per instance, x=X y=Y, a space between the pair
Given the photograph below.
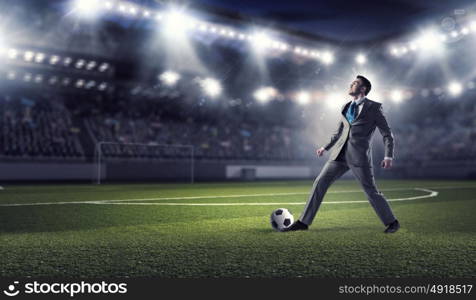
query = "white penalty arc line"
x=134 y=201
x=430 y=195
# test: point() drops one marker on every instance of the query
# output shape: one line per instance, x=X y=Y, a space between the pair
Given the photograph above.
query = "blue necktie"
x=351 y=112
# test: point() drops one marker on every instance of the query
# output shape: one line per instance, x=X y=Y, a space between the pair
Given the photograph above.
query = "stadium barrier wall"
x=250 y=172
x=41 y=171
x=216 y=171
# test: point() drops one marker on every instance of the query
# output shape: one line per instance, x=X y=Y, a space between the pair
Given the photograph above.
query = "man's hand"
x=320 y=151
x=386 y=163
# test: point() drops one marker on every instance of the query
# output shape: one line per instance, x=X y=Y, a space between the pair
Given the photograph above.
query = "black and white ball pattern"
x=281 y=219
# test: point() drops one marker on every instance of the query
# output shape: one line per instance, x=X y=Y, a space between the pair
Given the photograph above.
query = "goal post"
x=105 y=151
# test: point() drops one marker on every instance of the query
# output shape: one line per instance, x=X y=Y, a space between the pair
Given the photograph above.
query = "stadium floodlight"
x=395 y=51
x=54 y=59
x=464 y=31
x=12 y=53
x=28 y=56
x=283 y=47
x=91 y=65
x=316 y=54
x=80 y=83
x=303 y=97
x=169 y=78
x=211 y=87
x=327 y=57
x=132 y=10
x=103 y=67
x=261 y=41
x=177 y=22
x=265 y=94
x=39 y=57
x=67 y=61
x=80 y=63
x=361 y=59
x=86 y=8
x=455 y=88
x=396 y=96
x=39 y=78
x=102 y=86
x=108 y=5
x=454 y=33
x=429 y=41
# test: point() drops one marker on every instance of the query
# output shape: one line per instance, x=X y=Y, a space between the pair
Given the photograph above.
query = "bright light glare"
x=455 y=88
x=396 y=96
x=303 y=97
x=86 y=8
x=265 y=94
x=429 y=41
x=169 y=78
x=327 y=57
x=261 y=41
x=211 y=87
x=178 y=22
x=28 y=56
x=335 y=100
x=360 y=59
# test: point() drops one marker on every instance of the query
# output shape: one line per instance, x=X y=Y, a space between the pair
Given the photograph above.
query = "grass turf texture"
x=437 y=238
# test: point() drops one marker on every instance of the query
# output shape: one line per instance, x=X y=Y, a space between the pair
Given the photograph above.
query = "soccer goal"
x=136 y=161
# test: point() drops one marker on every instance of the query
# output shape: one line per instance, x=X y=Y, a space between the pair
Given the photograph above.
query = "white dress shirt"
x=359 y=106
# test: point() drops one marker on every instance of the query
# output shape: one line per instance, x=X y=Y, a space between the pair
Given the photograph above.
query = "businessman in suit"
x=351 y=150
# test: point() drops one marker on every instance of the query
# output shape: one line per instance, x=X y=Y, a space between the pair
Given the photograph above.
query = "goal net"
x=143 y=162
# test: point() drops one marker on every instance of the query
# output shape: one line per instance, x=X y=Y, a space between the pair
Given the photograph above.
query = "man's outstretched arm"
x=334 y=138
x=388 y=139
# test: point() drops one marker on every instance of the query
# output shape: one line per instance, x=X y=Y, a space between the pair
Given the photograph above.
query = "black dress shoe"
x=392 y=227
x=298 y=225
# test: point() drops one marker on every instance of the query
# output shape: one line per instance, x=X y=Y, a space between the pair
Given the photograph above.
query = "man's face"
x=355 y=87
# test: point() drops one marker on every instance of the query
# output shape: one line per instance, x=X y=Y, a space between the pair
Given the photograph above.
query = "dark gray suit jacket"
x=359 y=134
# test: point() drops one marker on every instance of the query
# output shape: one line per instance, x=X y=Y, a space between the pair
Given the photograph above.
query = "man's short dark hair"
x=366 y=83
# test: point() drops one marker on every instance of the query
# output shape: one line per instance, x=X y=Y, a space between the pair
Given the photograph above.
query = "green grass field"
x=171 y=230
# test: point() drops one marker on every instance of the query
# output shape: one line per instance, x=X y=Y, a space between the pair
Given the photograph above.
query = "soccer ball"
x=281 y=219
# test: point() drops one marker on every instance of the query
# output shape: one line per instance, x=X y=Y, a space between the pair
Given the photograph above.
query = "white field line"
x=135 y=201
x=430 y=195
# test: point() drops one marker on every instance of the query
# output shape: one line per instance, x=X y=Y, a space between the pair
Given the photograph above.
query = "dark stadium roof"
x=343 y=20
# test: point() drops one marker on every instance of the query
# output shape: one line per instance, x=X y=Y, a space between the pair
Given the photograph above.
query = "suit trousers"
x=333 y=170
